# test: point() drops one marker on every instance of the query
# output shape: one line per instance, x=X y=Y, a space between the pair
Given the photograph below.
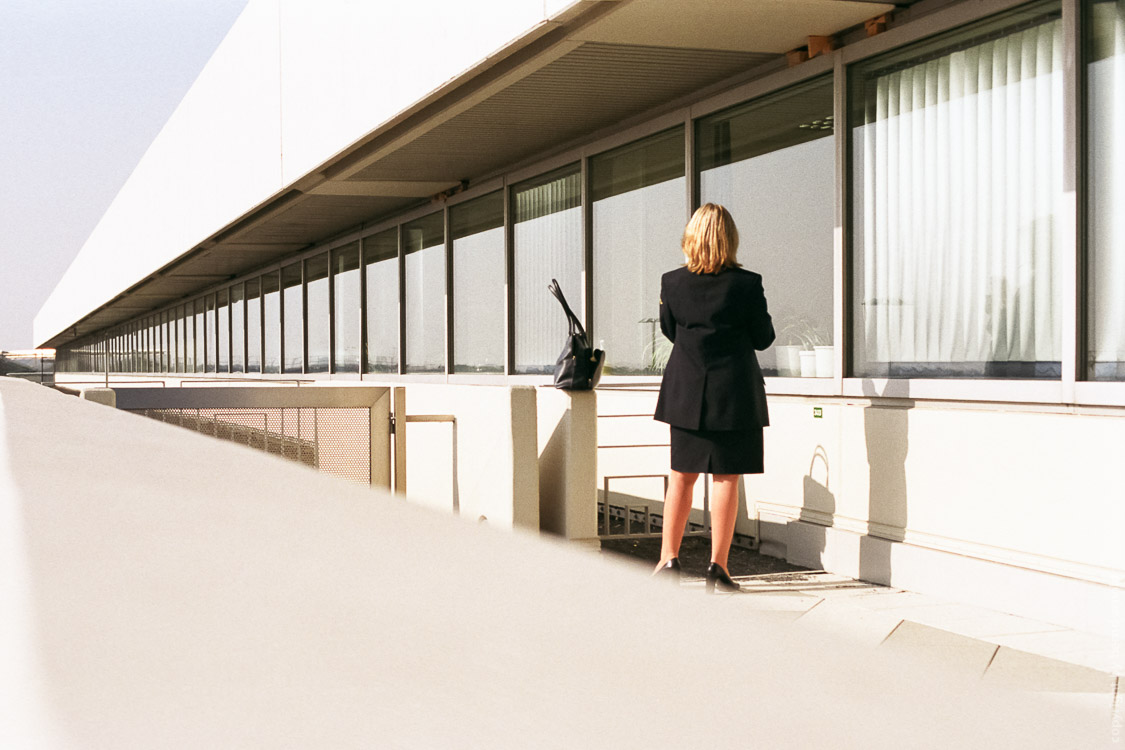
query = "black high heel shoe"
x=717 y=577
x=669 y=570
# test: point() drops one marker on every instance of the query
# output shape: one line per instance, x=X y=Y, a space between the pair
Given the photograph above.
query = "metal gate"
x=339 y=430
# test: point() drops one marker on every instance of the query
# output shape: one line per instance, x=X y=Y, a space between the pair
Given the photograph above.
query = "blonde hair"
x=710 y=240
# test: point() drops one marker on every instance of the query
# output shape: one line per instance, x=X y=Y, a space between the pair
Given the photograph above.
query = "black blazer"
x=715 y=322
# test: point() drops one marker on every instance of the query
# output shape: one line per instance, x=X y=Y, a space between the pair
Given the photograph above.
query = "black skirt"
x=717 y=451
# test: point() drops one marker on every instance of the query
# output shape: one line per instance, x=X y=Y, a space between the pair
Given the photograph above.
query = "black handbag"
x=579 y=366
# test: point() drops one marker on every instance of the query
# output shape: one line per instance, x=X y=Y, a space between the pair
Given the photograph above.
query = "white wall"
x=292 y=84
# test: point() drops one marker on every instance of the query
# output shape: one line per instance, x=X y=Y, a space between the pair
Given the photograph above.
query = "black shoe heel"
x=718 y=578
x=669 y=570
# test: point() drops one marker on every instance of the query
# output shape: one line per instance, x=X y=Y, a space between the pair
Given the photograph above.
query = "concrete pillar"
x=568 y=449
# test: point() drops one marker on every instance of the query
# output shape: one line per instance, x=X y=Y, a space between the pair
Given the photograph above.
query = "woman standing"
x=713 y=395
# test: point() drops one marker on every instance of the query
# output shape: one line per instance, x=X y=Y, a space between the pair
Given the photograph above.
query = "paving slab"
x=859 y=625
x=967 y=657
x=1025 y=671
x=1086 y=649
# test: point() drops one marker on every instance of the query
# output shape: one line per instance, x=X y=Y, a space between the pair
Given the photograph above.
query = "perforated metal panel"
x=335 y=440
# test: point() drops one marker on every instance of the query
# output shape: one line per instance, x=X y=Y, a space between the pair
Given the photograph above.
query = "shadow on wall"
x=818 y=508
x=886 y=433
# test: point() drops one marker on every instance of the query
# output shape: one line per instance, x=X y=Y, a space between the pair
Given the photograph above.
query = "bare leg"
x=724 y=513
x=677 y=507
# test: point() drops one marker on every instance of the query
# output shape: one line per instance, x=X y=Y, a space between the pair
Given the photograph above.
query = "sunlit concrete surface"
x=163 y=589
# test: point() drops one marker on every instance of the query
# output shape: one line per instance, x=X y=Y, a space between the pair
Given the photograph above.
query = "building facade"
x=931 y=191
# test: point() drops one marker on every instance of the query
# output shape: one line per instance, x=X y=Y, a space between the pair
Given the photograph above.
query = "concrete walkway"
x=159 y=588
x=979 y=644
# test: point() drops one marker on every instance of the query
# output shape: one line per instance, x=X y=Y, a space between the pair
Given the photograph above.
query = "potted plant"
x=806 y=351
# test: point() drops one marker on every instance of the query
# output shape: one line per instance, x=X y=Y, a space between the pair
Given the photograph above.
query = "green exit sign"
x=818 y=412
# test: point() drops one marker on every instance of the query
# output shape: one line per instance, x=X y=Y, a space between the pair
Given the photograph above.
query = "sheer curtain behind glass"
x=423 y=244
x=639 y=201
x=772 y=163
x=958 y=169
x=380 y=268
x=317 y=322
x=547 y=217
x=345 y=286
x=1106 y=87
x=477 y=228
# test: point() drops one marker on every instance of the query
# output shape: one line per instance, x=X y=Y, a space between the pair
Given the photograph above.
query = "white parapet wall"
x=567 y=442
x=497 y=475
x=1017 y=508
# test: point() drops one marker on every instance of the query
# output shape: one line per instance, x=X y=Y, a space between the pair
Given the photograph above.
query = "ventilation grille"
x=334 y=440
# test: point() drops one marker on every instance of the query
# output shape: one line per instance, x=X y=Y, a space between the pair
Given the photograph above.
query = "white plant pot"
x=825 y=361
x=808 y=364
x=788 y=361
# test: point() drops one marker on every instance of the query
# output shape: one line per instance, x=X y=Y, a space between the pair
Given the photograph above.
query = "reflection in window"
x=190 y=338
x=639 y=195
x=547 y=229
x=181 y=339
x=253 y=327
x=1106 y=88
x=380 y=262
x=771 y=162
x=317 y=320
x=345 y=281
x=477 y=228
x=293 y=328
x=957 y=199
x=237 y=330
x=200 y=335
x=423 y=243
x=223 y=331
x=271 y=298
x=211 y=331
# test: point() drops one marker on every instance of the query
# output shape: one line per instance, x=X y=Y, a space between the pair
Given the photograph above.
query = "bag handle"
x=572 y=319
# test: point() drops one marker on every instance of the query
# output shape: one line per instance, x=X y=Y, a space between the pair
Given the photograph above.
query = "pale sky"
x=85 y=86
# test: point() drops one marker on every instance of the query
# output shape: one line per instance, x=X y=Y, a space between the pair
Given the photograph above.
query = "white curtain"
x=961 y=161
x=1107 y=184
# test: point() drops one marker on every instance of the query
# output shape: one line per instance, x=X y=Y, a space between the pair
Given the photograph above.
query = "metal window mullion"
x=401 y=303
x=449 y=290
x=1074 y=244
x=691 y=197
x=841 y=241
x=332 y=254
x=281 y=321
x=304 y=319
x=509 y=282
x=363 y=353
x=262 y=325
x=587 y=248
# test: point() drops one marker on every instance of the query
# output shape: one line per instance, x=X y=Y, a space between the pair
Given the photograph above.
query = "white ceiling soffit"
x=774 y=26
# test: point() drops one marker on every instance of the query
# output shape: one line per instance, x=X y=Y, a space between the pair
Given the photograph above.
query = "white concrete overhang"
x=595 y=64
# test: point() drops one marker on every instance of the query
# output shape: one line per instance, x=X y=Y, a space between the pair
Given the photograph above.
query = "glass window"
x=547 y=229
x=423 y=243
x=1106 y=168
x=253 y=327
x=345 y=291
x=293 y=304
x=237 y=330
x=223 y=331
x=318 y=322
x=380 y=263
x=211 y=334
x=163 y=334
x=958 y=202
x=271 y=298
x=772 y=163
x=477 y=228
x=189 y=337
x=181 y=339
x=638 y=199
